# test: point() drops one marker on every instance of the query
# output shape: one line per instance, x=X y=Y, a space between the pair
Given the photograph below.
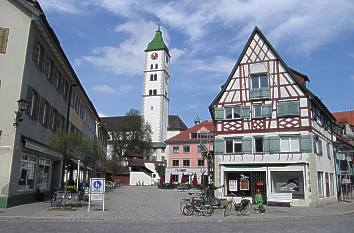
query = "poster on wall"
x=244 y=185
x=233 y=185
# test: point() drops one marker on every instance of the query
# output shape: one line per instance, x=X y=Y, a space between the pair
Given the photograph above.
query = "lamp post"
x=78 y=175
x=22 y=107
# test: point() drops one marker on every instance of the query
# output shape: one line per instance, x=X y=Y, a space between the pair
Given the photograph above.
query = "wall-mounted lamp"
x=22 y=107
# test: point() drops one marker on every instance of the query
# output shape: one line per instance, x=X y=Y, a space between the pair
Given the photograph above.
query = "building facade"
x=272 y=133
x=35 y=68
x=184 y=153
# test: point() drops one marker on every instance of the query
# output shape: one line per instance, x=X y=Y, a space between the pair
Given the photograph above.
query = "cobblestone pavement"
x=138 y=203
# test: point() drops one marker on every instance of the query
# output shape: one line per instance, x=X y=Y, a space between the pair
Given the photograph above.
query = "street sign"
x=96 y=191
x=97 y=185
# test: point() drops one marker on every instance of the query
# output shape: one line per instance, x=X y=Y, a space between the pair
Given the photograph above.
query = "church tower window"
x=156 y=66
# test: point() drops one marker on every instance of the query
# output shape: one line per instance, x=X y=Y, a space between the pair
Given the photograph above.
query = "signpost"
x=96 y=191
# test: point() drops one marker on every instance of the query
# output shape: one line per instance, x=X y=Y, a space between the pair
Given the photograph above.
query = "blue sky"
x=105 y=42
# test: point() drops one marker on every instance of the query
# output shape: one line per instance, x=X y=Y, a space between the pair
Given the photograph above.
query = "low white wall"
x=141 y=178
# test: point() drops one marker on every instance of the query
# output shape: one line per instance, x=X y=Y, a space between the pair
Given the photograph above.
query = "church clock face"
x=154 y=56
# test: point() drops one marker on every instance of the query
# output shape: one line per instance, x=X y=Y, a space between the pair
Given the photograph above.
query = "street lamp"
x=22 y=107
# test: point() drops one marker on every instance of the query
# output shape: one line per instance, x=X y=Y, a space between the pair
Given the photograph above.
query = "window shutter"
x=266 y=146
x=306 y=143
x=274 y=144
x=282 y=110
x=219 y=146
x=293 y=108
x=245 y=112
x=247 y=145
x=4 y=34
x=267 y=110
x=219 y=113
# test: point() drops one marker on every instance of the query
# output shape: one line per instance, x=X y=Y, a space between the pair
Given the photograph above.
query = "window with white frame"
x=175 y=163
x=257 y=111
x=186 y=149
x=232 y=112
x=289 y=143
x=259 y=81
x=175 y=149
x=233 y=145
x=186 y=163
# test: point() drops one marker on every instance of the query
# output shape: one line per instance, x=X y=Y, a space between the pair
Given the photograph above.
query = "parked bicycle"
x=70 y=199
x=244 y=206
x=198 y=205
x=186 y=201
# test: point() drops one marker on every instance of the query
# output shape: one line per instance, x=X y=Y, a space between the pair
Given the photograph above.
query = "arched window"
x=150 y=92
x=151 y=66
x=151 y=77
x=155 y=77
x=155 y=92
x=156 y=66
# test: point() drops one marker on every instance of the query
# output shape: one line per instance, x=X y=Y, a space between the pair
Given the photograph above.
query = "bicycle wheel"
x=207 y=210
x=188 y=210
x=246 y=210
x=228 y=209
x=183 y=203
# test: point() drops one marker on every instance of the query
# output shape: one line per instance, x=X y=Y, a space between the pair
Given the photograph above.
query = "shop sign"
x=244 y=185
x=259 y=183
x=233 y=185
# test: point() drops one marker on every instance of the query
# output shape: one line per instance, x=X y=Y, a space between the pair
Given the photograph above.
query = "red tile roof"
x=344 y=117
x=186 y=135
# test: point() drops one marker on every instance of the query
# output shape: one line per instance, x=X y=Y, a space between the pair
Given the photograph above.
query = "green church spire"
x=157 y=43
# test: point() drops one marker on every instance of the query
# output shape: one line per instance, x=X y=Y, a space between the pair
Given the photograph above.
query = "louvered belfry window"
x=4 y=34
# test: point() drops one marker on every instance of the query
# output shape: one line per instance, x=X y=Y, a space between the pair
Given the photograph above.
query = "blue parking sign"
x=97 y=185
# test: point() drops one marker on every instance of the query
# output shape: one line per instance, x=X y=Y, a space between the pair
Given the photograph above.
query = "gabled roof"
x=291 y=72
x=175 y=123
x=186 y=135
x=344 y=117
x=110 y=123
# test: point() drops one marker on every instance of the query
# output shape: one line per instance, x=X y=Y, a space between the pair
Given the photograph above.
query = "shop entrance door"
x=258 y=181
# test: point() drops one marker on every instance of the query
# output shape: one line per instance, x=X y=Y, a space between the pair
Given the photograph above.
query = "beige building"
x=35 y=68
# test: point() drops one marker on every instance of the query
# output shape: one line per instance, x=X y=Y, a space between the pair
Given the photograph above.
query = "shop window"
x=289 y=144
x=44 y=167
x=175 y=163
x=320 y=184
x=175 y=178
x=289 y=181
x=238 y=183
x=27 y=172
x=175 y=149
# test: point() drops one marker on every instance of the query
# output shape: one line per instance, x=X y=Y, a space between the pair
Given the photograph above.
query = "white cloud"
x=352 y=77
x=104 y=89
x=65 y=6
x=128 y=57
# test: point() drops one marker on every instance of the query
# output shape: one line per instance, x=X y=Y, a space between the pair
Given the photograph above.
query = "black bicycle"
x=244 y=206
x=198 y=205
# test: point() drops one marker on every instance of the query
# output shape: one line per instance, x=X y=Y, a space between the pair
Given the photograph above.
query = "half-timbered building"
x=272 y=133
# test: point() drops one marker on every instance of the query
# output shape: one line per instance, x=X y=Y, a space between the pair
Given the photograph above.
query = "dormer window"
x=259 y=86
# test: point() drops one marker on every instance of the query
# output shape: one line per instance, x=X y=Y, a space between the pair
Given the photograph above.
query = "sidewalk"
x=149 y=203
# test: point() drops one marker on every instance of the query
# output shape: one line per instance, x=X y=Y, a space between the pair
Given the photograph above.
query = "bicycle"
x=244 y=206
x=198 y=204
x=186 y=201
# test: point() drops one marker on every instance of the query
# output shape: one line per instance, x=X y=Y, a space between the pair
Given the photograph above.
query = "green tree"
x=132 y=135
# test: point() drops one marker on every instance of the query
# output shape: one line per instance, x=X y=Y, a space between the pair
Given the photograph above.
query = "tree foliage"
x=132 y=135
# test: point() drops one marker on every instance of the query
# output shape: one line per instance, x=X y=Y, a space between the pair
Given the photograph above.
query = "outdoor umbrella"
x=183 y=179
x=161 y=179
x=171 y=178
x=195 y=181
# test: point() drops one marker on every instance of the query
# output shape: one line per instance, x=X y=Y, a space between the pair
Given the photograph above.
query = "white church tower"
x=156 y=87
